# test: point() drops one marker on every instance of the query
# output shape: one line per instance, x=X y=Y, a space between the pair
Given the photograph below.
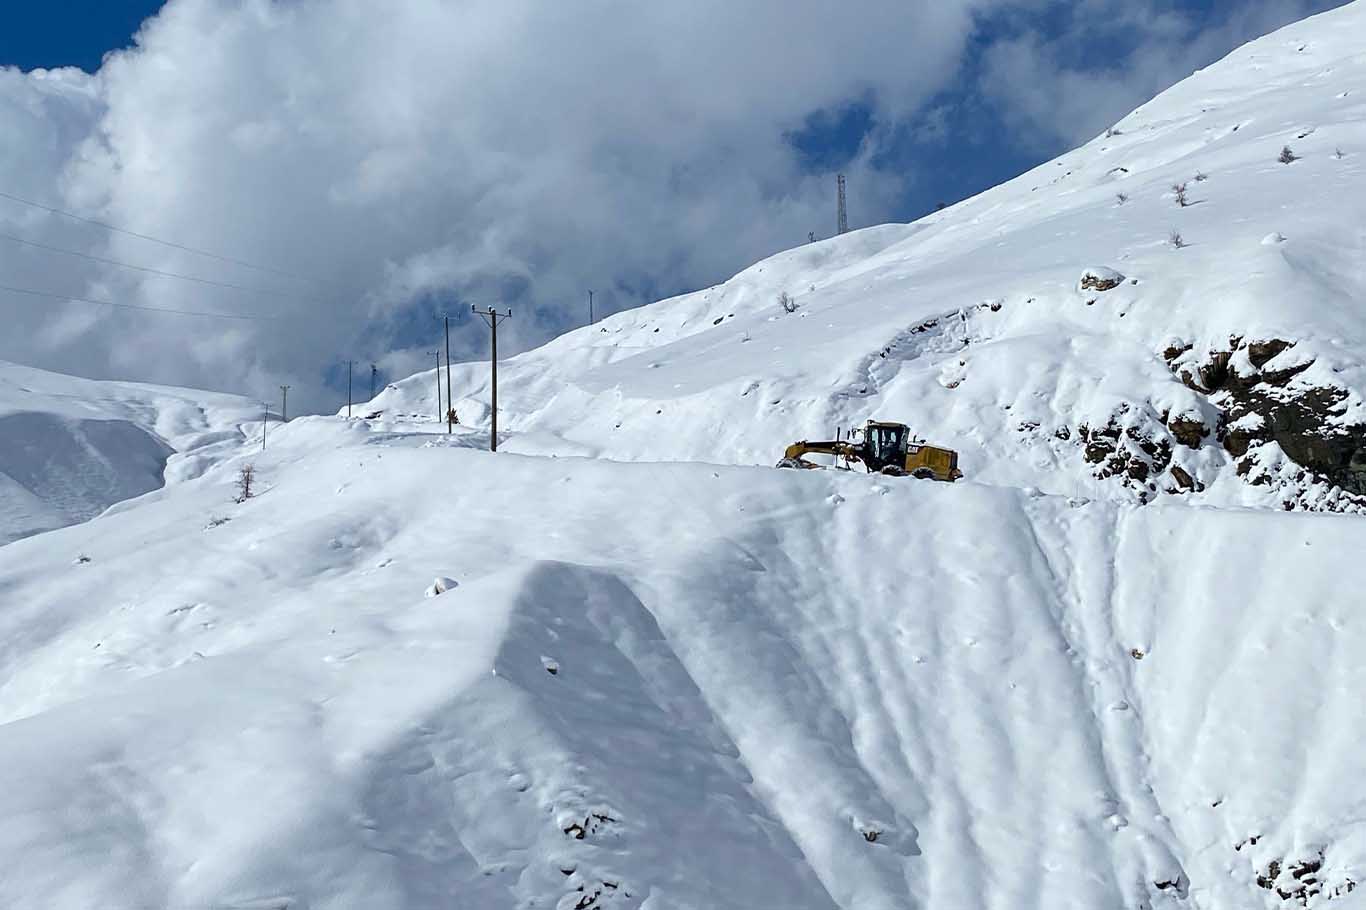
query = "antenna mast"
x=843 y=223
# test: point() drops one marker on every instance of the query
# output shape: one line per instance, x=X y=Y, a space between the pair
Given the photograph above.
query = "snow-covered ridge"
x=977 y=326
x=70 y=448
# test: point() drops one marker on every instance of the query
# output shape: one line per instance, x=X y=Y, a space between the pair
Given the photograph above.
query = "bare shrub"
x=1337 y=153
x=787 y=302
x=1180 y=190
x=1201 y=176
x=1287 y=155
x=1121 y=198
x=246 y=478
x=1176 y=240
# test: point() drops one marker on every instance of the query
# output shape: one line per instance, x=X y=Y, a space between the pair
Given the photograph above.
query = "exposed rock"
x=1100 y=279
x=1213 y=372
x=1183 y=480
x=1259 y=352
x=1132 y=445
x=1239 y=436
x=1259 y=406
x=1174 y=351
x=1188 y=430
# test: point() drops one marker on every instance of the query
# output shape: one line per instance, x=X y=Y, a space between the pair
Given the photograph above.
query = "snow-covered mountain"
x=1115 y=666
x=70 y=448
x=1232 y=366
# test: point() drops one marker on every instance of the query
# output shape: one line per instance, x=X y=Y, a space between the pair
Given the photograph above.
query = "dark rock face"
x=1182 y=478
x=1132 y=445
x=1259 y=352
x=1188 y=431
x=1258 y=408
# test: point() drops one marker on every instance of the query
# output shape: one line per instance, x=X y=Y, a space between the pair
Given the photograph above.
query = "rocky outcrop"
x=1252 y=383
x=1188 y=429
x=1132 y=445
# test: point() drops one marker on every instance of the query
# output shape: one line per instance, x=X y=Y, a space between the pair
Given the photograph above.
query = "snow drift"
x=70 y=448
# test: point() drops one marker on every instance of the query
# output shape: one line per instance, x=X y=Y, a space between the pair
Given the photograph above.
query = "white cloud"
x=431 y=145
x=473 y=148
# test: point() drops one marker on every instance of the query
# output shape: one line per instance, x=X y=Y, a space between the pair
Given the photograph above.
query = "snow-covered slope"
x=672 y=685
x=70 y=448
x=977 y=327
x=665 y=677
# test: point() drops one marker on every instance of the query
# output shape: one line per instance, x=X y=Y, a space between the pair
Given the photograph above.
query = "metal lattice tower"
x=843 y=226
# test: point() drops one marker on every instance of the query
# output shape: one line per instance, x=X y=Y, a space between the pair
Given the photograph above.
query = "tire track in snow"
x=1073 y=544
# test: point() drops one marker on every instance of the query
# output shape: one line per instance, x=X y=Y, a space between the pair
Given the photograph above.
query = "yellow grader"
x=884 y=447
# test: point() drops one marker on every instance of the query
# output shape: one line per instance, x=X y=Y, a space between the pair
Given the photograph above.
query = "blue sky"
x=51 y=33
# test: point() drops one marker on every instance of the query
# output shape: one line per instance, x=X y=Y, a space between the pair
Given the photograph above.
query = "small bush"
x=1121 y=198
x=1180 y=190
x=1287 y=155
x=246 y=478
x=1337 y=153
x=1176 y=240
x=1201 y=176
x=787 y=302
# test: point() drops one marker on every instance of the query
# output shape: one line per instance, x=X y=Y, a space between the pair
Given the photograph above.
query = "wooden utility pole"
x=284 y=403
x=491 y=318
x=450 y=396
x=349 y=365
x=440 y=411
x=265 y=417
x=373 y=372
x=590 y=307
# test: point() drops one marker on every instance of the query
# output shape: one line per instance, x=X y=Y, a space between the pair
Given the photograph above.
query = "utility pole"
x=590 y=307
x=843 y=215
x=491 y=318
x=373 y=372
x=349 y=365
x=450 y=395
x=284 y=403
x=265 y=414
x=440 y=411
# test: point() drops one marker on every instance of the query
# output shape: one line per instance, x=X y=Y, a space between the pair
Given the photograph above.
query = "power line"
x=178 y=246
x=151 y=271
x=136 y=306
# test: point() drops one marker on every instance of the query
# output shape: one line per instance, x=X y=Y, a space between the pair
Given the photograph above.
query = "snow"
x=753 y=664
x=72 y=447
x=626 y=663
x=971 y=324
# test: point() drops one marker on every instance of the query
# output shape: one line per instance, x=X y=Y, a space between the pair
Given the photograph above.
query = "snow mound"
x=70 y=448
